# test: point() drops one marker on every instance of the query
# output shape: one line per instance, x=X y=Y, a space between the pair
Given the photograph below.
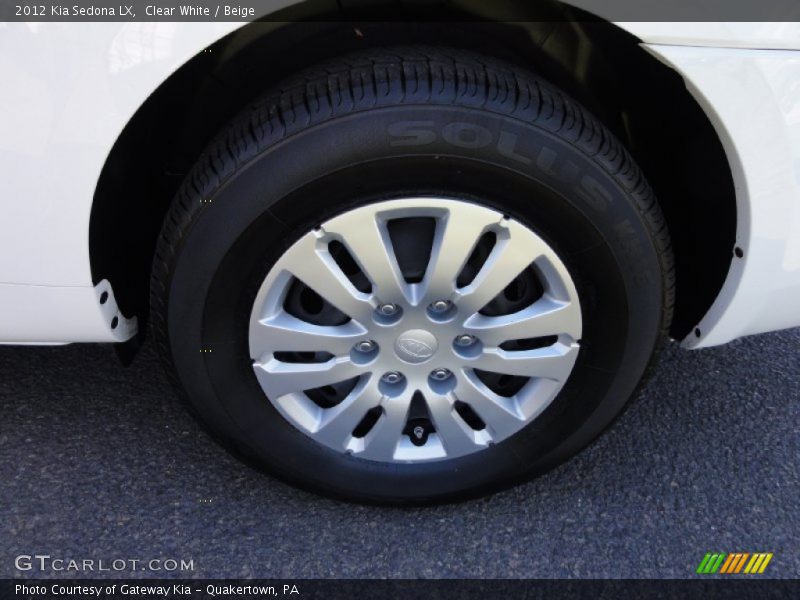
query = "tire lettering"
x=546 y=162
x=507 y=146
x=595 y=195
x=473 y=136
x=467 y=135
x=411 y=133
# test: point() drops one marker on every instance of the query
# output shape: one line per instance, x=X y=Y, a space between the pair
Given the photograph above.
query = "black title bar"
x=416 y=10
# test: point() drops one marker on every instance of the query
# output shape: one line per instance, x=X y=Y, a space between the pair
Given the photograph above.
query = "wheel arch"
x=640 y=99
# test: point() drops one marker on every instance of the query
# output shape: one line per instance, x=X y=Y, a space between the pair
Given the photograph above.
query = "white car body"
x=67 y=91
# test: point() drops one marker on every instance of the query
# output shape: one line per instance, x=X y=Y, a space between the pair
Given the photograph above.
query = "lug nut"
x=465 y=340
x=392 y=377
x=440 y=374
x=387 y=309
x=440 y=306
x=366 y=346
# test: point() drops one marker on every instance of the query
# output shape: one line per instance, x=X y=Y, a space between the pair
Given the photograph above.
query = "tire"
x=428 y=129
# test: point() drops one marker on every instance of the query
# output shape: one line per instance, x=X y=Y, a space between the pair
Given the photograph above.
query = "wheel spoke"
x=339 y=422
x=457 y=234
x=315 y=267
x=280 y=378
x=457 y=437
x=367 y=240
x=286 y=333
x=500 y=414
x=508 y=259
x=382 y=441
x=545 y=317
x=553 y=362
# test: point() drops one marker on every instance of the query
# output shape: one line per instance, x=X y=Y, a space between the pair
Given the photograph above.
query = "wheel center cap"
x=416 y=346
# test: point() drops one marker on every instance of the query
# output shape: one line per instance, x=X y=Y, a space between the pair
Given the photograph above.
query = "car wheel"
x=411 y=275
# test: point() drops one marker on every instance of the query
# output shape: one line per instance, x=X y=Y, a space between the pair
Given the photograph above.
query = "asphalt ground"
x=102 y=462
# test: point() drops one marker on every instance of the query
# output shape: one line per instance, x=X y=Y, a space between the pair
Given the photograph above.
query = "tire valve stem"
x=418 y=431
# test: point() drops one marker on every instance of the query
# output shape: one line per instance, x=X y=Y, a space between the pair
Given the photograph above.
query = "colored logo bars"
x=728 y=564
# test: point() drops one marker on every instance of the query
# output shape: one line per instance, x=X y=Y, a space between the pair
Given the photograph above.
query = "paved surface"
x=102 y=462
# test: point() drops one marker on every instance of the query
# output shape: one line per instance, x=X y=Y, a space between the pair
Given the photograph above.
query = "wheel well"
x=642 y=101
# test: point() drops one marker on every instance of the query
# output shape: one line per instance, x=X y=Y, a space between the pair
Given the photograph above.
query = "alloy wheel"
x=374 y=358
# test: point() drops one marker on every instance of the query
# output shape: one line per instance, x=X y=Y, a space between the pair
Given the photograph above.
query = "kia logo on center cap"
x=416 y=346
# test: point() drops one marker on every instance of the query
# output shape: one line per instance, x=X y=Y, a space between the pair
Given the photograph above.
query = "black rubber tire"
x=387 y=123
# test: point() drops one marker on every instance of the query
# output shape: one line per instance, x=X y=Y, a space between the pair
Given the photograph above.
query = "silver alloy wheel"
x=405 y=340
